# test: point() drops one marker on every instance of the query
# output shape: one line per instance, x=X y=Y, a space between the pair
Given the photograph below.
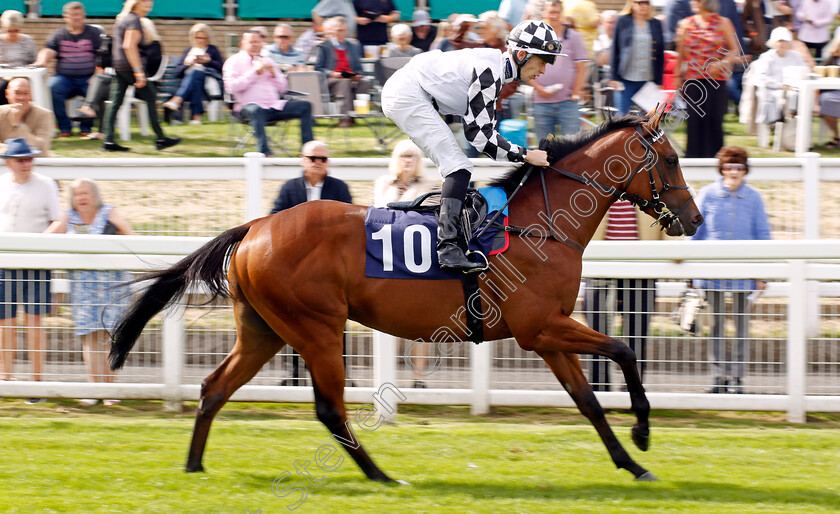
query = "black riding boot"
x=452 y=196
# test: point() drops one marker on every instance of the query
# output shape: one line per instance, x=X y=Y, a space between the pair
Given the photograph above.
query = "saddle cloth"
x=401 y=244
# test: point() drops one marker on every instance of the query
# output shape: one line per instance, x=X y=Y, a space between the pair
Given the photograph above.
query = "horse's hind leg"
x=326 y=366
x=566 y=335
x=567 y=369
x=255 y=345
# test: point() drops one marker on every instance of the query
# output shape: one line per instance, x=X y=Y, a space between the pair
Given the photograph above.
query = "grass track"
x=130 y=460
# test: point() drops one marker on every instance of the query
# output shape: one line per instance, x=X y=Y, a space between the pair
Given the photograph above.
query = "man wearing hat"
x=423 y=33
x=28 y=203
x=767 y=74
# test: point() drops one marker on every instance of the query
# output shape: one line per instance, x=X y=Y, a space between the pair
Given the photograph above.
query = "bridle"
x=665 y=217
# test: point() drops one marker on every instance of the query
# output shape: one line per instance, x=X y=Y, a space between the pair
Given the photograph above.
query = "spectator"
x=255 y=83
x=635 y=299
x=282 y=52
x=558 y=91
x=22 y=118
x=816 y=17
x=16 y=49
x=767 y=74
x=512 y=11
x=372 y=19
x=262 y=32
x=28 y=203
x=74 y=48
x=306 y=42
x=733 y=211
x=678 y=10
x=326 y=9
x=314 y=184
x=406 y=179
x=638 y=53
x=339 y=59
x=586 y=20
x=95 y=295
x=493 y=30
x=135 y=50
x=423 y=32
x=401 y=46
x=602 y=48
x=99 y=89
x=198 y=62
x=699 y=38
x=830 y=100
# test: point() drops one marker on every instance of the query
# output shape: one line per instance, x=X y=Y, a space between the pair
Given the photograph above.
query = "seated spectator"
x=22 y=118
x=423 y=32
x=95 y=296
x=198 y=62
x=74 y=49
x=256 y=83
x=372 y=19
x=459 y=34
x=136 y=56
x=326 y=9
x=306 y=42
x=339 y=59
x=16 y=48
x=732 y=211
x=260 y=31
x=767 y=74
x=406 y=179
x=401 y=42
x=282 y=52
x=99 y=90
x=493 y=30
x=602 y=47
x=830 y=100
x=28 y=203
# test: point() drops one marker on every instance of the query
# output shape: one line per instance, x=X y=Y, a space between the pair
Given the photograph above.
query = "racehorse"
x=297 y=276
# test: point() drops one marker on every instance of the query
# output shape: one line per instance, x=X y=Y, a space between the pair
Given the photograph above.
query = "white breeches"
x=406 y=103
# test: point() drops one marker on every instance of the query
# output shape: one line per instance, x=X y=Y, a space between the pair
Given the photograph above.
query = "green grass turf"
x=212 y=140
x=59 y=458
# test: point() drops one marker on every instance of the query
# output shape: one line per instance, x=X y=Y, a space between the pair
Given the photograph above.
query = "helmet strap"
x=519 y=64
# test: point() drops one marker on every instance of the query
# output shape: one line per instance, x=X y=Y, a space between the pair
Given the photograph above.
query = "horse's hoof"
x=640 y=438
x=647 y=476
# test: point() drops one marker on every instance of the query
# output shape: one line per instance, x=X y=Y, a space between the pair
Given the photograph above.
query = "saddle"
x=473 y=214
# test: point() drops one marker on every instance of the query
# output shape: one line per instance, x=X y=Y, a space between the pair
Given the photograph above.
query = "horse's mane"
x=562 y=146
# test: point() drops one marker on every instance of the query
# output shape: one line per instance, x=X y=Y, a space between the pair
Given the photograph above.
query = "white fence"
x=203 y=196
x=794 y=379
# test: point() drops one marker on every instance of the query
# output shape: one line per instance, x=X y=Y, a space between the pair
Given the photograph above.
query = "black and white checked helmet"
x=534 y=37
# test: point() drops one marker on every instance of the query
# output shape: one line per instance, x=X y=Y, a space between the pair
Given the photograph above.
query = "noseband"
x=665 y=217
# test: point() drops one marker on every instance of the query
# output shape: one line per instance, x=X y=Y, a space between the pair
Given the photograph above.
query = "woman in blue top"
x=638 y=54
x=733 y=211
x=95 y=297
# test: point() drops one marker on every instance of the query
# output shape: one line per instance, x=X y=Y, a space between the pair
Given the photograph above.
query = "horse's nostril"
x=697 y=221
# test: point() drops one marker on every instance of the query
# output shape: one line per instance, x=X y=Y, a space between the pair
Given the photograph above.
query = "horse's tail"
x=205 y=264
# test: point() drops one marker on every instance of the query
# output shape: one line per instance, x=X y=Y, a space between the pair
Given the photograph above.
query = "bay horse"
x=297 y=276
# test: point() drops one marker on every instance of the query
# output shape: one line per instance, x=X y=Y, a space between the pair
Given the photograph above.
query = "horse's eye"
x=671 y=161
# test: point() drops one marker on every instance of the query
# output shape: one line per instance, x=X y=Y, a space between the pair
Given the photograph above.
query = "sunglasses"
x=641 y=2
x=733 y=167
x=316 y=158
x=282 y=37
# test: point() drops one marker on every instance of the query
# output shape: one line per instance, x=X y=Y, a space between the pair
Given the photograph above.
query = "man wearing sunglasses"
x=28 y=203
x=282 y=52
x=467 y=83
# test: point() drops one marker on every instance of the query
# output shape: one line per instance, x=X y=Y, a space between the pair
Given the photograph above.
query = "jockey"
x=467 y=83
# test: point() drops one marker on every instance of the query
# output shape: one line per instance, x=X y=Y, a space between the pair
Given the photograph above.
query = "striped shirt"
x=621 y=222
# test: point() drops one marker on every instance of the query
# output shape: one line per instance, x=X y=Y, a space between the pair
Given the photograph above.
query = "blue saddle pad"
x=401 y=244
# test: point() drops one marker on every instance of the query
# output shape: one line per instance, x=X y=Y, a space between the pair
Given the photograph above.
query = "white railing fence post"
x=172 y=352
x=811 y=207
x=481 y=358
x=797 y=342
x=253 y=185
x=385 y=366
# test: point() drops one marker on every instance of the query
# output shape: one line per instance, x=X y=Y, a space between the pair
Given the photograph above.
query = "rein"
x=665 y=216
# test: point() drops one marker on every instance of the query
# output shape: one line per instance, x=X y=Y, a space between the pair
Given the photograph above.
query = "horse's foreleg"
x=327 y=371
x=566 y=368
x=566 y=335
x=250 y=352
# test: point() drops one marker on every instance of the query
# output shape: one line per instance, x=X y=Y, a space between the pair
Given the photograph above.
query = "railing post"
x=172 y=336
x=811 y=208
x=797 y=342
x=481 y=358
x=253 y=185
x=385 y=365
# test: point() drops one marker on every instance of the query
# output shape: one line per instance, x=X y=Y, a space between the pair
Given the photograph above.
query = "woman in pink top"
x=816 y=16
x=706 y=49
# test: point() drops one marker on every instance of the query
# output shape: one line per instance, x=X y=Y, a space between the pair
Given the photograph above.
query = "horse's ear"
x=655 y=116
